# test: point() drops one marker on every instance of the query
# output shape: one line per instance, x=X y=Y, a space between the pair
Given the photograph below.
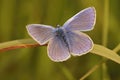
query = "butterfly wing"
x=57 y=50
x=83 y=21
x=40 y=33
x=79 y=43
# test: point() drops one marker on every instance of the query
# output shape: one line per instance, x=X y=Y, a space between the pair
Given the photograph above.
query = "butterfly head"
x=59 y=32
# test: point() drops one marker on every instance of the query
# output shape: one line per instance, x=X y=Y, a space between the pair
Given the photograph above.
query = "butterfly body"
x=61 y=34
x=66 y=40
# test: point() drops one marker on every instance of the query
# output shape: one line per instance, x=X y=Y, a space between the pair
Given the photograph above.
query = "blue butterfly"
x=66 y=40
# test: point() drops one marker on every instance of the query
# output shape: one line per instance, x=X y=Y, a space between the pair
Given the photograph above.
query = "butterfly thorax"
x=60 y=33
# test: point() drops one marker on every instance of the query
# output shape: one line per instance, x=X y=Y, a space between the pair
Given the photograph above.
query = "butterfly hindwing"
x=79 y=43
x=57 y=50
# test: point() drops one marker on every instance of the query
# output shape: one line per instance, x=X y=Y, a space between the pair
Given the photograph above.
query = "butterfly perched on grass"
x=68 y=39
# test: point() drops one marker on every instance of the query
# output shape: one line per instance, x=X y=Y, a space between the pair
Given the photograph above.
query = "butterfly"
x=68 y=39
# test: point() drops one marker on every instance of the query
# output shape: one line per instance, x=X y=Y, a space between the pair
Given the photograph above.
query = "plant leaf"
x=22 y=43
x=105 y=52
x=98 y=49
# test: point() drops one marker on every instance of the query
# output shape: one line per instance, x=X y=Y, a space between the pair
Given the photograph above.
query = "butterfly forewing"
x=83 y=21
x=57 y=50
x=79 y=43
x=41 y=33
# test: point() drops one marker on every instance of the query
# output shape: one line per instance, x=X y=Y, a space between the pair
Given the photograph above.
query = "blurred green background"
x=33 y=63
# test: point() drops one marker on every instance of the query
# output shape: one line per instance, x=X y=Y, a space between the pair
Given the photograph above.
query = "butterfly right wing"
x=82 y=21
x=57 y=50
x=40 y=33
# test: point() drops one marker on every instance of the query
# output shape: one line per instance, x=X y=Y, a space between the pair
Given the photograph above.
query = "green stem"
x=92 y=70
x=66 y=72
x=105 y=36
x=116 y=49
x=105 y=23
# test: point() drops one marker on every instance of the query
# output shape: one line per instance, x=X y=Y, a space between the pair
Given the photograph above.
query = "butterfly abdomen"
x=61 y=35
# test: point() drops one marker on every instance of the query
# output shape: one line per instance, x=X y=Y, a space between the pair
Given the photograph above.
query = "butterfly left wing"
x=82 y=21
x=40 y=33
x=57 y=50
x=79 y=43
